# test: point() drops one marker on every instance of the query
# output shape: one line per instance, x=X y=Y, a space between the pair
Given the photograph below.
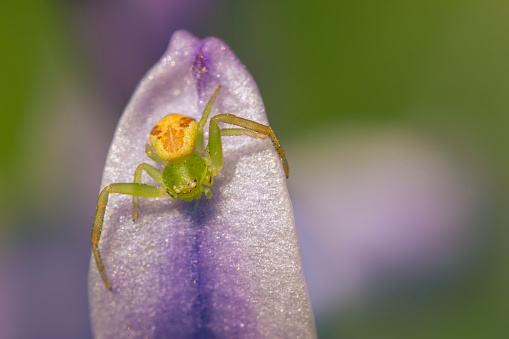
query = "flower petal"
x=229 y=267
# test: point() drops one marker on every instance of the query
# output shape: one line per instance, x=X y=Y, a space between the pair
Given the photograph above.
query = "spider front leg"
x=215 y=149
x=141 y=190
x=203 y=120
x=242 y=131
x=154 y=173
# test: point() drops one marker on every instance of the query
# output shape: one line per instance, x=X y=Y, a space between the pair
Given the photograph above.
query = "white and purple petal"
x=229 y=267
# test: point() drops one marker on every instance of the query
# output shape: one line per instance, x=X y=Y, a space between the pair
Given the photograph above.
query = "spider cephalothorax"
x=177 y=142
x=185 y=177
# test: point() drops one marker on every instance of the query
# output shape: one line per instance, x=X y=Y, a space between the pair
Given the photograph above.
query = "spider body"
x=177 y=142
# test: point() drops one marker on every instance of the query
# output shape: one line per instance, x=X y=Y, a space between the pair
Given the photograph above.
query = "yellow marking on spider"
x=174 y=136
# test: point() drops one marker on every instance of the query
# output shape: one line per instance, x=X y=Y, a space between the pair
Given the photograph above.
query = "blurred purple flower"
x=225 y=268
x=397 y=212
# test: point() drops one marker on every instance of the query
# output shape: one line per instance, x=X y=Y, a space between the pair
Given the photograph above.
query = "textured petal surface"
x=229 y=267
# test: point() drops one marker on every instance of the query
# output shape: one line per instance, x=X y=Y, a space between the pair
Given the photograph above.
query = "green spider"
x=179 y=144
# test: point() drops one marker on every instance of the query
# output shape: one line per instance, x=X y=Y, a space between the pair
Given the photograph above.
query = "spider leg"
x=215 y=149
x=203 y=120
x=154 y=173
x=152 y=154
x=130 y=188
x=234 y=132
x=242 y=131
x=207 y=191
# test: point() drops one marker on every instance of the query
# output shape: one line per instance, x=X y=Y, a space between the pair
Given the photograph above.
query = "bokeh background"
x=394 y=116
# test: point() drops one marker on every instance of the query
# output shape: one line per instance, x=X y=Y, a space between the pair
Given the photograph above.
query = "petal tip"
x=180 y=39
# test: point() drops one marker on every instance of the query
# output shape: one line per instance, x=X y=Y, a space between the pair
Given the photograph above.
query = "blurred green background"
x=438 y=69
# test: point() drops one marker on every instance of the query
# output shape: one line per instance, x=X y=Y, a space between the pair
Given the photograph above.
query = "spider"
x=177 y=143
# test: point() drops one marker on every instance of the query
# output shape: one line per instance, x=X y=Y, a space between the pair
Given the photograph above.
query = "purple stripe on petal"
x=200 y=69
x=228 y=267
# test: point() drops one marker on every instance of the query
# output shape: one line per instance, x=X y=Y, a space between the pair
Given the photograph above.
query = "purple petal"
x=225 y=268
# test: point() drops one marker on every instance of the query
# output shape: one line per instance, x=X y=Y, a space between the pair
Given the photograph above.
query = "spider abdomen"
x=174 y=136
